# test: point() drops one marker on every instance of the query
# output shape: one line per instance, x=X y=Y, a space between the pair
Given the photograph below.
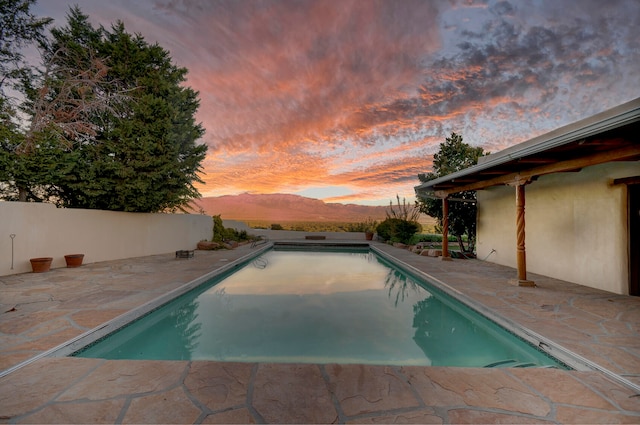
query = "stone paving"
x=41 y=311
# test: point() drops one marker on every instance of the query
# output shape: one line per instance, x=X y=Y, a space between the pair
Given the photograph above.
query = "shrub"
x=384 y=229
x=401 y=223
x=218 y=229
x=220 y=233
x=235 y=235
x=432 y=237
x=404 y=230
x=355 y=227
x=397 y=230
x=369 y=225
x=276 y=227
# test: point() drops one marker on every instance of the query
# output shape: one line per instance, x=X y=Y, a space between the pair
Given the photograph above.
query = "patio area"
x=41 y=311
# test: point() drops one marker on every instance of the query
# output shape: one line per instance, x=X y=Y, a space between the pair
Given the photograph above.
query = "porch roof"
x=612 y=135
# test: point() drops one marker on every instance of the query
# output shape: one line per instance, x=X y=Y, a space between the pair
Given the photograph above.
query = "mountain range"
x=284 y=207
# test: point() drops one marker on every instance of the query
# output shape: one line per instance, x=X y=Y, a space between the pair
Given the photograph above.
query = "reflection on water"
x=400 y=284
x=322 y=307
x=187 y=326
x=307 y=273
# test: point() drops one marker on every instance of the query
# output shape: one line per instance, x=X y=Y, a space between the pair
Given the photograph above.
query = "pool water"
x=319 y=307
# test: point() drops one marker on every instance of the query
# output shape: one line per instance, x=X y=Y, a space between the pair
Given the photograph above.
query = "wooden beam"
x=492 y=172
x=468 y=201
x=463 y=180
x=536 y=161
x=627 y=180
x=441 y=194
x=560 y=166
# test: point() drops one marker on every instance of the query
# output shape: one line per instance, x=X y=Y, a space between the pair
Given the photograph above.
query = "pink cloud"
x=359 y=93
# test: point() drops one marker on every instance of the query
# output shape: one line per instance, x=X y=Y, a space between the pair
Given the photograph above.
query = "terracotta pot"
x=41 y=264
x=368 y=235
x=74 y=260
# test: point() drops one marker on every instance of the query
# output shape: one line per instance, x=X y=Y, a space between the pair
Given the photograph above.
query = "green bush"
x=236 y=235
x=218 y=229
x=397 y=230
x=276 y=227
x=221 y=234
x=404 y=231
x=433 y=237
x=369 y=225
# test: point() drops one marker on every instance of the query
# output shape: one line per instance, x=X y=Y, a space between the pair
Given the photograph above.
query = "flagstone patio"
x=41 y=311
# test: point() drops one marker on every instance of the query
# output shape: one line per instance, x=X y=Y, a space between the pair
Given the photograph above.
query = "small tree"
x=454 y=155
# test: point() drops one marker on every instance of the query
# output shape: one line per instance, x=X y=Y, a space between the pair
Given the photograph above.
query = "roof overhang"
x=613 y=135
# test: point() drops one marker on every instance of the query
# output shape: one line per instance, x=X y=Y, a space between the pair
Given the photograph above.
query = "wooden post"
x=521 y=254
x=445 y=230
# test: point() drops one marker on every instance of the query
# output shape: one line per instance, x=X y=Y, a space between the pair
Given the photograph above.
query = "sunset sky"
x=347 y=101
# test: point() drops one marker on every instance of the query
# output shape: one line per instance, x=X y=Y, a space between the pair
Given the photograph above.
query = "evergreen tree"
x=454 y=155
x=112 y=125
x=19 y=29
x=146 y=158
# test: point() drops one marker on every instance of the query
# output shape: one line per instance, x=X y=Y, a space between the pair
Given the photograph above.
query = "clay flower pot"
x=74 y=260
x=368 y=235
x=41 y=264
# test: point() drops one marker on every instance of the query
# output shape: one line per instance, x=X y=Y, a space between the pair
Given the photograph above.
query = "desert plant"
x=403 y=211
x=370 y=225
x=401 y=223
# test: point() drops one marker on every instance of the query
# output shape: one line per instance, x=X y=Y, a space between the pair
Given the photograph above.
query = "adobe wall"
x=576 y=226
x=42 y=230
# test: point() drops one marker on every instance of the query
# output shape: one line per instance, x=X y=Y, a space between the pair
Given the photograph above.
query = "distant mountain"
x=282 y=208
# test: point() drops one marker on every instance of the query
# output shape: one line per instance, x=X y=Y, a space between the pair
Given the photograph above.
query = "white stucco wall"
x=576 y=226
x=42 y=230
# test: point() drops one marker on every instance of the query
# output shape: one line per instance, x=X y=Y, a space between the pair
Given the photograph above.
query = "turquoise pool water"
x=319 y=307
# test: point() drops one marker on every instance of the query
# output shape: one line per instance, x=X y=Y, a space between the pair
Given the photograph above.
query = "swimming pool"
x=350 y=306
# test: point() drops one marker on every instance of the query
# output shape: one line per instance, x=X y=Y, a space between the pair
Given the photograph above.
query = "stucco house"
x=580 y=221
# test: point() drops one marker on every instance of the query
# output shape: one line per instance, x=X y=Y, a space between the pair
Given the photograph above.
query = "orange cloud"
x=359 y=94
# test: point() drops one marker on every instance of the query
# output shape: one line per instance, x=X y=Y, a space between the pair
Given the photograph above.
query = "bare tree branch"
x=71 y=94
x=404 y=211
